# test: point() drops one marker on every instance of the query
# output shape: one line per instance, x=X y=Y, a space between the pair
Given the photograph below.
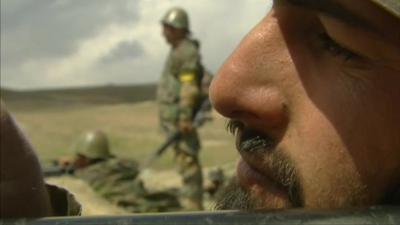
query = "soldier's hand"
x=185 y=126
x=65 y=162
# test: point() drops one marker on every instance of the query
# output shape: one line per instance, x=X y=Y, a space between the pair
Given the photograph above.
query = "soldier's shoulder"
x=109 y=169
x=114 y=164
x=190 y=44
x=124 y=163
x=187 y=47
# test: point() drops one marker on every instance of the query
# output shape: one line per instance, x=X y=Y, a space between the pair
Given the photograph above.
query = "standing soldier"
x=178 y=96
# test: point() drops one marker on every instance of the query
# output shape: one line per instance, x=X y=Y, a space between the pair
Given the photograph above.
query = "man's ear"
x=22 y=187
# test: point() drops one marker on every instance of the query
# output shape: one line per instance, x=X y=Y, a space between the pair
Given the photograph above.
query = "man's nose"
x=247 y=87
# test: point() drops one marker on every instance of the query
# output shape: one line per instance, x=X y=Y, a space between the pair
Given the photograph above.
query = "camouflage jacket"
x=117 y=181
x=178 y=90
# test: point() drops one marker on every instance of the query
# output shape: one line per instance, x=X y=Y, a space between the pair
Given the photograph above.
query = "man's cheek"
x=318 y=152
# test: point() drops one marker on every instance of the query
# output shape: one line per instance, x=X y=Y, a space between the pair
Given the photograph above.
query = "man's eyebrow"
x=333 y=9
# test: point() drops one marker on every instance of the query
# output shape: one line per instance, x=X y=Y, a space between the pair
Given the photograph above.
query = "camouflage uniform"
x=116 y=180
x=178 y=97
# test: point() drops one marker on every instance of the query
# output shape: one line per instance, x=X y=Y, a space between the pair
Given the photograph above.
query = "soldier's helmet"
x=94 y=145
x=393 y=6
x=177 y=18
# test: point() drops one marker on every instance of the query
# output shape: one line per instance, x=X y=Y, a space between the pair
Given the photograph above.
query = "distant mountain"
x=110 y=94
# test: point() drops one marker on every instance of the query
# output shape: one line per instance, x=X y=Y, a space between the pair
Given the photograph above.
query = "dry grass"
x=132 y=130
x=133 y=133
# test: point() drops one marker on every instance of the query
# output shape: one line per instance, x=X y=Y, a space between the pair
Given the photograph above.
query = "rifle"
x=199 y=120
x=56 y=170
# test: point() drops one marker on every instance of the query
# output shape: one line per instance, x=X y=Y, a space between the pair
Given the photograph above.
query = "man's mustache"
x=282 y=169
x=249 y=140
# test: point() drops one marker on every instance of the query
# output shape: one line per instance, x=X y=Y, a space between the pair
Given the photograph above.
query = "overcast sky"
x=64 y=43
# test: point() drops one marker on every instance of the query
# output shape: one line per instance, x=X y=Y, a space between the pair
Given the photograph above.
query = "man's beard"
x=282 y=171
x=233 y=196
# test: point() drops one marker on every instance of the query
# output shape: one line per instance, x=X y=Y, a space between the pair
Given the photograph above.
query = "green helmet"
x=393 y=6
x=177 y=18
x=94 y=145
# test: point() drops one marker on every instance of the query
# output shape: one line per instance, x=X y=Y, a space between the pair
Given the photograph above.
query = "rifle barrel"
x=55 y=171
x=198 y=120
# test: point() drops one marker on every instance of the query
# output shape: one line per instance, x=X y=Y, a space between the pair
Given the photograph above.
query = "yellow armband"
x=186 y=77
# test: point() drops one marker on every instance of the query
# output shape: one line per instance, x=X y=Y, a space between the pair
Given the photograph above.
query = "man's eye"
x=336 y=49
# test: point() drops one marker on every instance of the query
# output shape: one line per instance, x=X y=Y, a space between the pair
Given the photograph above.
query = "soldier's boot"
x=192 y=190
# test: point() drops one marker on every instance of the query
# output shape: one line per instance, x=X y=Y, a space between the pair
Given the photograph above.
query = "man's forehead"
x=369 y=15
x=391 y=6
x=334 y=8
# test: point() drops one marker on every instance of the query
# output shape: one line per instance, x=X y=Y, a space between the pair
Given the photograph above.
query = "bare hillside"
x=75 y=97
x=53 y=126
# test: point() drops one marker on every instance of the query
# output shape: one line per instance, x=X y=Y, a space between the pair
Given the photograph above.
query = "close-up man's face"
x=312 y=94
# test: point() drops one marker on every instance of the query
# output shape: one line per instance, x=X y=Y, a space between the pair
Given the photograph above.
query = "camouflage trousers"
x=192 y=179
x=189 y=167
